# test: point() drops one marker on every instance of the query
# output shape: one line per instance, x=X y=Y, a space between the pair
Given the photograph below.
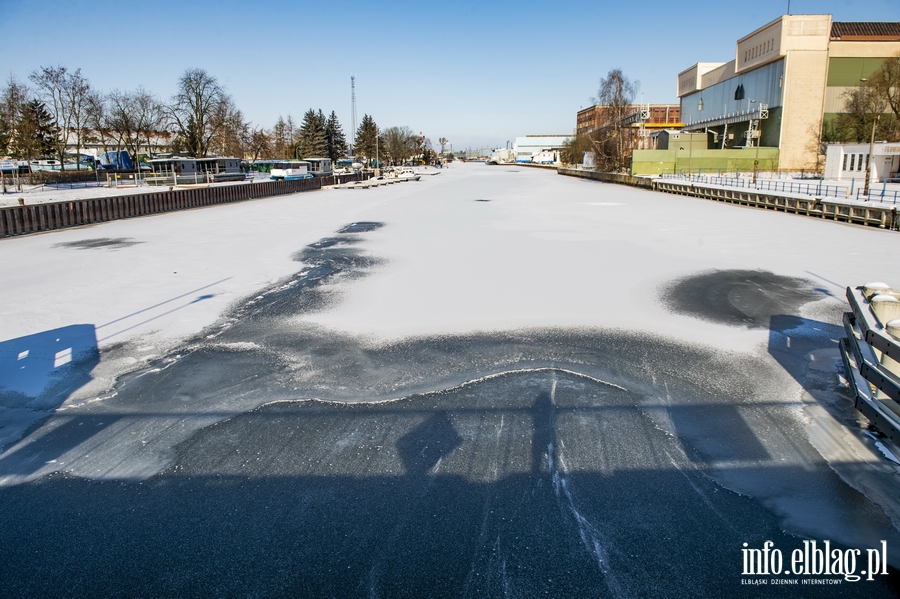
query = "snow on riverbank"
x=43 y=194
x=479 y=248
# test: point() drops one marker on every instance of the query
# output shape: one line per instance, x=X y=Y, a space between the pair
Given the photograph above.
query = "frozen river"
x=493 y=382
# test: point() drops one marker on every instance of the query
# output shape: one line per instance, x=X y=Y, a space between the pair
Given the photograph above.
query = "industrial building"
x=659 y=116
x=529 y=146
x=785 y=80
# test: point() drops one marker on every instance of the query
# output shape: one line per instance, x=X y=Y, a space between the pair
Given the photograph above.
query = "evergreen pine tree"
x=35 y=133
x=5 y=136
x=365 y=138
x=312 y=135
x=335 y=142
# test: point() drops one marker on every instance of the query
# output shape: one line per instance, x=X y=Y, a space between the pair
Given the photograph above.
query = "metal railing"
x=813 y=189
x=817 y=189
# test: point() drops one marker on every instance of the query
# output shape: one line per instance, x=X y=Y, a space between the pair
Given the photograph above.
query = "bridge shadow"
x=40 y=371
x=422 y=448
x=496 y=489
x=793 y=338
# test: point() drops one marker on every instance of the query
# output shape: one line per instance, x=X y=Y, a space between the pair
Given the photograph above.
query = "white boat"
x=44 y=165
x=289 y=171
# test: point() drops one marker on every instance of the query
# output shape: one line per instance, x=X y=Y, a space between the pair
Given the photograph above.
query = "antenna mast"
x=352 y=115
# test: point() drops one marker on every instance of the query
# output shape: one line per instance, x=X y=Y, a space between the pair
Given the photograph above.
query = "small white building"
x=844 y=162
x=545 y=157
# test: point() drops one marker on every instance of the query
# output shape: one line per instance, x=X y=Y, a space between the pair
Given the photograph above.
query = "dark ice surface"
x=527 y=463
x=102 y=242
x=739 y=297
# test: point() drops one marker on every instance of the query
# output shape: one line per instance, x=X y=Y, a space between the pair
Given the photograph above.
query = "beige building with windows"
x=785 y=80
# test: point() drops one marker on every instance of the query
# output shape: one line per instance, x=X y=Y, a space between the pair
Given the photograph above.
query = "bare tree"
x=98 y=121
x=400 y=143
x=290 y=131
x=283 y=137
x=616 y=98
x=195 y=110
x=135 y=116
x=863 y=108
x=443 y=142
x=260 y=146
x=886 y=83
x=66 y=95
x=232 y=133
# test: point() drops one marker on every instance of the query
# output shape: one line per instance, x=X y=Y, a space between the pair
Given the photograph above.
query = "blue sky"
x=477 y=73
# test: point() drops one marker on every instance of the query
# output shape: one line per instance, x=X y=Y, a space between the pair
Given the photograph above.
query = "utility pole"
x=352 y=115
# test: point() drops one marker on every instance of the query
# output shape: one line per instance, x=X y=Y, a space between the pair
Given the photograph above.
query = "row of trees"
x=62 y=110
x=394 y=145
x=317 y=136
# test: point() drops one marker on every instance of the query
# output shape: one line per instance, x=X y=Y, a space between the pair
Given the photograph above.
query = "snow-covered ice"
x=486 y=329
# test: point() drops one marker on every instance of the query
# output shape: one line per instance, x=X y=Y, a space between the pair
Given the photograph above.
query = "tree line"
x=61 y=110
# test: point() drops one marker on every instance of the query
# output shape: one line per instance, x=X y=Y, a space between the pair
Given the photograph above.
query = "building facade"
x=593 y=118
x=785 y=80
x=849 y=161
x=529 y=146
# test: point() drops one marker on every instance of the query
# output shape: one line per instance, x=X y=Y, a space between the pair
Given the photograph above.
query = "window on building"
x=846 y=161
x=852 y=162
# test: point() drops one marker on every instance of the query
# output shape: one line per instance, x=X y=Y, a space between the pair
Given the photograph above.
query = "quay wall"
x=34 y=218
x=643 y=182
x=883 y=216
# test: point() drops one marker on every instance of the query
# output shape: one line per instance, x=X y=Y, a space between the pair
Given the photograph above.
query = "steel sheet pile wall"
x=608 y=177
x=19 y=220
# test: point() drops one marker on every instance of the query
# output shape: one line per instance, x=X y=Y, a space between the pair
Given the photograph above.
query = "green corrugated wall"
x=844 y=72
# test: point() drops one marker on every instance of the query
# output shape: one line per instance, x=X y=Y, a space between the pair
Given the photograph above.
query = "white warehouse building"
x=529 y=146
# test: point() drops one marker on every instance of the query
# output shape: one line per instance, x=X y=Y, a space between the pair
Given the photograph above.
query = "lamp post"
x=871 y=149
x=869 y=158
x=750 y=131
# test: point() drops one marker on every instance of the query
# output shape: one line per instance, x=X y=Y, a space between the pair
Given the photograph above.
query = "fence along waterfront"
x=33 y=218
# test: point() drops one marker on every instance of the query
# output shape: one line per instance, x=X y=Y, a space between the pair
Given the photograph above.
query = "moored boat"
x=290 y=171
